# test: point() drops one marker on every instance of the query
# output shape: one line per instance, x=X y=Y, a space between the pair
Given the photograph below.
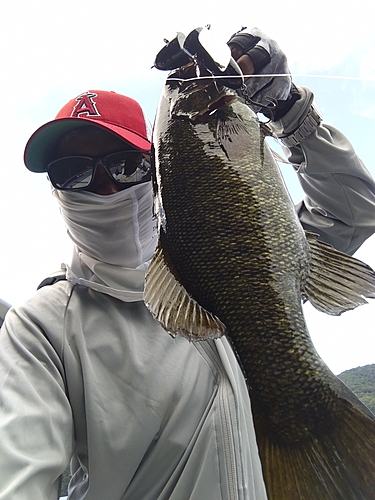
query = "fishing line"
x=274 y=75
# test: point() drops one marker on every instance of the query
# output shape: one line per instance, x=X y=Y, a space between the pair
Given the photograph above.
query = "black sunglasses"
x=77 y=172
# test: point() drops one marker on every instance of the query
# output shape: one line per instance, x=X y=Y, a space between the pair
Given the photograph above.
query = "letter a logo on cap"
x=85 y=105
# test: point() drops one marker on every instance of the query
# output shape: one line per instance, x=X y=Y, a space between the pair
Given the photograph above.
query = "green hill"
x=361 y=381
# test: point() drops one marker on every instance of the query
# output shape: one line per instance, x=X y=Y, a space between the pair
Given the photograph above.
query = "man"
x=86 y=372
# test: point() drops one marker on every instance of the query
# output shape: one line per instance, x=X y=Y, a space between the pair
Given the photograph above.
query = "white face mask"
x=115 y=235
x=116 y=229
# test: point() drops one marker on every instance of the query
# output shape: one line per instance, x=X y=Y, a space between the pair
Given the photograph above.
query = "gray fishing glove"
x=258 y=54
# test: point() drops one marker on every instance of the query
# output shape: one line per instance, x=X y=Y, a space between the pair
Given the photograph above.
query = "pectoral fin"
x=336 y=282
x=174 y=308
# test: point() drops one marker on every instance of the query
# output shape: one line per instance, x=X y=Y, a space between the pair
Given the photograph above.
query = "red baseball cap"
x=114 y=112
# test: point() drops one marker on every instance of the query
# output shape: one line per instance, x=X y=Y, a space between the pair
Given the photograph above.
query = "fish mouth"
x=197 y=96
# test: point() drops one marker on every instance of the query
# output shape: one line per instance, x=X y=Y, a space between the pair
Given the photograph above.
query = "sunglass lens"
x=128 y=167
x=71 y=173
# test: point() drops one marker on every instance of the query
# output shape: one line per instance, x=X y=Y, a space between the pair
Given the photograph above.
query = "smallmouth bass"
x=233 y=260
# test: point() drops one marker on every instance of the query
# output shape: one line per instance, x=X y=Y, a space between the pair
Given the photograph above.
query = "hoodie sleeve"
x=339 y=203
x=36 y=430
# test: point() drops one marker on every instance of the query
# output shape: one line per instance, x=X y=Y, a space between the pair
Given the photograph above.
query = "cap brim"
x=39 y=148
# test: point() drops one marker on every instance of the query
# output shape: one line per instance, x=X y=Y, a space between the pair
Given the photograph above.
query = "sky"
x=52 y=51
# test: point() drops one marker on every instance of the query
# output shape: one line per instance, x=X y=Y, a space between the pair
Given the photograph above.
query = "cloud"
x=53 y=51
x=369 y=112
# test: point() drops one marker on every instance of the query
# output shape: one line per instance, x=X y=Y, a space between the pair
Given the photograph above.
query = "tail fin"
x=335 y=464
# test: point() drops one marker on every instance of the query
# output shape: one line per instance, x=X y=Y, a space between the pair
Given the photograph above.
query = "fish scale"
x=214 y=277
x=231 y=241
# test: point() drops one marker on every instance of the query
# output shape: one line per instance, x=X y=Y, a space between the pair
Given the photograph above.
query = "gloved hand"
x=258 y=54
